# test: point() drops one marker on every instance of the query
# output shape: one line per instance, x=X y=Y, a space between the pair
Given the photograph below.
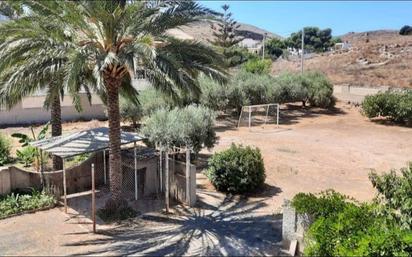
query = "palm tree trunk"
x=115 y=175
x=56 y=128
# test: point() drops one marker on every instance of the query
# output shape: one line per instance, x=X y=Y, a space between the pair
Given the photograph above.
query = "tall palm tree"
x=30 y=62
x=110 y=40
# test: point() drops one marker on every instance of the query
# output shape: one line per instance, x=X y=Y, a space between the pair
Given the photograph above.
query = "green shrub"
x=27 y=155
x=130 y=112
x=397 y=106
x=237 y=170
x=16 y=203
x=5 y=147
x=214 y=95
x=152 y=100
x=395 y=195
x=258 y=66
x=312 y=87
x=319 y=90
x=346 y=228
x=325 y=204
x=191 y=126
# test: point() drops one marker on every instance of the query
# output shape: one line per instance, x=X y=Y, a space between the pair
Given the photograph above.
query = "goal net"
x=259 y=115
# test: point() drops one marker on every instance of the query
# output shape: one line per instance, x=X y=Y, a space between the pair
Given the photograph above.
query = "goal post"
x=259 y=114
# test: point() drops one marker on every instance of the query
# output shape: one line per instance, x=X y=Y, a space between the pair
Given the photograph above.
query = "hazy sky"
x=283 y=17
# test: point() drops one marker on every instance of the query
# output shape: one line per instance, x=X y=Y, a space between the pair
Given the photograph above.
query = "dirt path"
x=316 y=150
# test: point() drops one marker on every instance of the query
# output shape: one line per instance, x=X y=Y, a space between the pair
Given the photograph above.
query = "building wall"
x=31 y=110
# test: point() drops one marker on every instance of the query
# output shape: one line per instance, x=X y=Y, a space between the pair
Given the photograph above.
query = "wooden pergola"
x=87 y=141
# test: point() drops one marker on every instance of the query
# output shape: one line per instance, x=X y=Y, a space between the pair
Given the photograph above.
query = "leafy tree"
x=315 y=39
x=274 y=47
x=111 y=39
x=191 y=126
x=405 y=30
x=226 y=38
x=258 y=66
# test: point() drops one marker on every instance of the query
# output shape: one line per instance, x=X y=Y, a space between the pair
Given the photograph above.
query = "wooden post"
x=188 y=178
x=167 y=181
x=250 y=115
x=135 y=172
x=93 y=200
x=64 y=187
x=104 y=167
x=161 y=169
x=277 y=116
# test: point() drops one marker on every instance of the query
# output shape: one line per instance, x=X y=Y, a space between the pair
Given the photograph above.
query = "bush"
x=258 y=66
x=152 y=100
x=396 y=106
x=405 y=30
x=27 y=155
x=16 y=203
x=5 y=147
x=346 y=228
x=214 y=95
x=130 y=112
x=319 y=90
x=237 y=170
x=395 y=195
x=192 y=126
x=312 y=87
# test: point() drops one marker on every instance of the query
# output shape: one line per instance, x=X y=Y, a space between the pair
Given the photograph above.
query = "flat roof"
x=86 y=141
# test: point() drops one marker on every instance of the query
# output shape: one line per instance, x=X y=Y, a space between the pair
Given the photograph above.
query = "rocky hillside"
x=376 y=58
x=202 y=31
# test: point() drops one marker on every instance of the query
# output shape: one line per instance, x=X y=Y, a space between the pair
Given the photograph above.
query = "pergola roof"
x=87 y=141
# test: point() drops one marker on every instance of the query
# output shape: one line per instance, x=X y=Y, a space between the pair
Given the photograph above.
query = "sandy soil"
x=316 y=150
x=311 y=151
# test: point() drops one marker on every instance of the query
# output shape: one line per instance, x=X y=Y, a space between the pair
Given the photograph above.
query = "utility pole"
x=263 y=52
x=303 y=49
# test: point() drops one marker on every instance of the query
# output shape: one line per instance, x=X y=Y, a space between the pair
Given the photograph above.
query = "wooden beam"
x=93 y=200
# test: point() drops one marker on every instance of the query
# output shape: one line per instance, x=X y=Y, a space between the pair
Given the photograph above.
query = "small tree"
x=130 y=111
x=191 y=127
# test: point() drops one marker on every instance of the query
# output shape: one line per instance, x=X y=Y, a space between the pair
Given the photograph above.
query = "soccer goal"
x=259 y=115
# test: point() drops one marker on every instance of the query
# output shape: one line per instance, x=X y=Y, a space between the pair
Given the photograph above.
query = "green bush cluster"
x=189 y=126
x=395 y=105
x=258 y=66
x=395 y=195
x=246 y=88
x=237 y=170
x=16 y=203
x=344 y=227
x=5 y=147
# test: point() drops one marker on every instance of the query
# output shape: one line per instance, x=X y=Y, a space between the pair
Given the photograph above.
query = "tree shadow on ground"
x=293 y=113
x=289 y=114
x=233 y=226
x=390 y=123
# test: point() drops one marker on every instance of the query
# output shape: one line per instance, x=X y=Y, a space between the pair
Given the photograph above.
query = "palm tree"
x=30 y=62
x=110 y=40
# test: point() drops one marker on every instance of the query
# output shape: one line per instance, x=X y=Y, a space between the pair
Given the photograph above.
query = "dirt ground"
x=315 y=150
x=312 y=150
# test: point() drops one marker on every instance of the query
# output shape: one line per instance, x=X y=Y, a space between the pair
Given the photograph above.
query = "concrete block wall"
x=294 y=226
x=31 y=110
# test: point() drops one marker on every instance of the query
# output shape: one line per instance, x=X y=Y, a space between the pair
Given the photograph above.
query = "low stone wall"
x=355 y=94
x=78 y=178
x=294 y=226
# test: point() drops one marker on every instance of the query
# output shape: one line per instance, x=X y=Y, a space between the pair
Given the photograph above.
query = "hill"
x=202 y=31
x=375 y=58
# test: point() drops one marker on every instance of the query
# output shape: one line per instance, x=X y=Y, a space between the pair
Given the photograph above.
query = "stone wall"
x=294 y=226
